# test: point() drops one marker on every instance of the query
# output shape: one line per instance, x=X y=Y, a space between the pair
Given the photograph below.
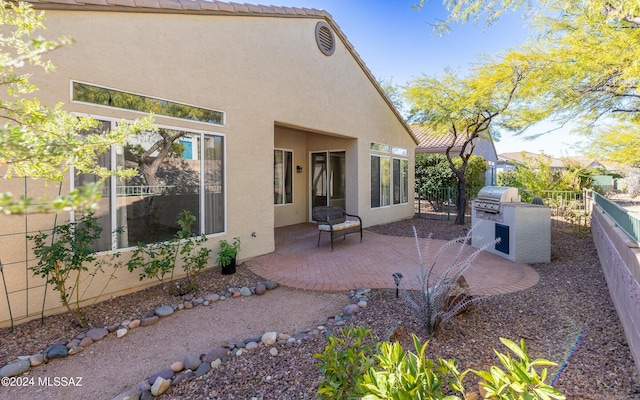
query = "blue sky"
x=397 y=43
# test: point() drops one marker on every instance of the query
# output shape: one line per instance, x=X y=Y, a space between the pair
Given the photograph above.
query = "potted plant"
x=227 y=256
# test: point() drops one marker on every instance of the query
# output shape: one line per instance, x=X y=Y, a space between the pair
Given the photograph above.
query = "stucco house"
x=270 y=112
x=431 y=143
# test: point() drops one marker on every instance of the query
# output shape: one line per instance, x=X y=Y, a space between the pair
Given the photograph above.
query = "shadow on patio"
x=298 y=263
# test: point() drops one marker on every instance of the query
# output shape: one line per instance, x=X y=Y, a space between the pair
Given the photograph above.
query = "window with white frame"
x=175 y=170
x=282 y=176
x=389 y=175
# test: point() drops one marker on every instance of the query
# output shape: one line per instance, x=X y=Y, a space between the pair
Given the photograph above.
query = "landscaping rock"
x=97 y=333
x=261 y=289
x=121 y=332
x=149 y=321
x=191 y=362
x=270 y=284
x=214 y=354
x=269 y=338
x=134 y=324
x=57 y=352
x=36 y=359
x=15 y=368
x=165 y=373
x=212 y=297
x=164 y=311
x=86 y=342
x=203 y=369
x=177 y=366
x=245 y=291
x=351 y=309
x=160 y=386
x=132 y=394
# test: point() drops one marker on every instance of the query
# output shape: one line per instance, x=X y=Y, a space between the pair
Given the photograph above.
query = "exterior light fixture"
x=397 y=276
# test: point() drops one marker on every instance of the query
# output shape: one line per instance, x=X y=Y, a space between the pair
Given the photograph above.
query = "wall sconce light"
x=298 y=169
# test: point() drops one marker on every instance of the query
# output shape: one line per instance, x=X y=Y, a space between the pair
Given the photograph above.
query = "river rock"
x=36 y=359
x=121 y=332
x=245 y=291
x=212 y=297
x=203 y=369
x=164 y=311
x=134 y=324
x=97 y=333
x=269 y=338
x=15 y=368
x=177 y=366
x=191 y=362
x=57 y=352
x=270 y=285
x=350 y=309
x=160 y=386
x=165 y=373
x=149 y=321
x=261 y=289
x=214 y=354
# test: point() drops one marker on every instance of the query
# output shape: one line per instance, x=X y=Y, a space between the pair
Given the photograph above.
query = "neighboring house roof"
x=202 y=7
x=429 y=142
x=519 y=158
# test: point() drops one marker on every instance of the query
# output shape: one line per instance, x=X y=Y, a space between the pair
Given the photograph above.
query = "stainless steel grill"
x=490 y=197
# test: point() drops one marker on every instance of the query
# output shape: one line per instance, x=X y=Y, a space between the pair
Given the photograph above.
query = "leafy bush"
x=64 y=254
x=344 y=361
x=401 y=375
x=159 y=259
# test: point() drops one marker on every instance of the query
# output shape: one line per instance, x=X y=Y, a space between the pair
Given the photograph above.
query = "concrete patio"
x=298 y=263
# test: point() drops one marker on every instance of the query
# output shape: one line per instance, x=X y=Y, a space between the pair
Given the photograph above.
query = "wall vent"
x=325 y=39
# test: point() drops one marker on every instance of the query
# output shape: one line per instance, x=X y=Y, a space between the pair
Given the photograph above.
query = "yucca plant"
x=443 y=291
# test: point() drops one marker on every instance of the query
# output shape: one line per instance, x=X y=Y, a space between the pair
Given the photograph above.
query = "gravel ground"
x=569 y=305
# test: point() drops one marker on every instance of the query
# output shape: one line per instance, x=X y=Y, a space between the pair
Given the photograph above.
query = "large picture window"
x=389 y=175
x=175 y=170
x=282 y=177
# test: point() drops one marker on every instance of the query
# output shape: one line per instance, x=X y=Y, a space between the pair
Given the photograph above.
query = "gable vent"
x=325 y=39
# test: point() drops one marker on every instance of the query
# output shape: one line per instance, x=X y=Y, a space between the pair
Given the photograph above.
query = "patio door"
x=328 y=179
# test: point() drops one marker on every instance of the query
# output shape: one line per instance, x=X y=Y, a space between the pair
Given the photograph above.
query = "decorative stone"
x=112 y=327
x=362 y=304
x=57 y=352
x=160 y=386
x=15 y=368
x=150 y=321
x=236 y=294
x=164 y=311
x=36 y=359
x=245 y=291
x=187 y=297
x=203 y=369
x=76 y=350
x=214 y=354
x=216 y=363
x=251 y=346
x=97 y=333
x=131 y=394
x=177 y=366
x=273 y=351
x=134 y=324
x=165 y=373
x=261 y=289
x=350 y=309
x=86 y=342
x=270 y=284
x=269 y=338
x=188 y=305
x=191 y=362
x=180 y=306
x=73 y=343
x=121 y=332
x=212 y=297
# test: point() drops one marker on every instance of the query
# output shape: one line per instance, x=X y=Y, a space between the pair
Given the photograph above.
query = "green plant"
x=403 y=375
x=344 y=361
x=520 y=380
x=65 y=254
x=228 y=251
x=443 y=291
x=159 y=259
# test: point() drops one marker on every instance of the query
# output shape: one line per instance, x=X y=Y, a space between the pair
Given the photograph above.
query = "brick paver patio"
x=298 y=263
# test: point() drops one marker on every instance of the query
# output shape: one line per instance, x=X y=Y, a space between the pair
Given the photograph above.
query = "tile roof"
x=218 y=8
x=430 y=142
x=519 y=157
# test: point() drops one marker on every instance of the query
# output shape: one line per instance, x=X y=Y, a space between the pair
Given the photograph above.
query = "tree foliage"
x=38 y=141
x=465 y=109
x=584 y=67
x=433 y=172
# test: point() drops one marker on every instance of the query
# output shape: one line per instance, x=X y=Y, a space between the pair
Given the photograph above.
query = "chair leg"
x=319 y=233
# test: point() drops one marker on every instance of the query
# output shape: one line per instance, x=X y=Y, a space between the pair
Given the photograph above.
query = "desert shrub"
x=344 y=362
x=443 y=291
x=65 y=254
x=156 y=260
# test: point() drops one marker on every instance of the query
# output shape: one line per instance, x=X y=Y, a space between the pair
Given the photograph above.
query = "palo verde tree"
x=464 y=109
x=584 y=58
x=39 y=141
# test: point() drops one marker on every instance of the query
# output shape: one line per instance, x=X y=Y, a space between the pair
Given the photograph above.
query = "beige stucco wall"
x=265 y=73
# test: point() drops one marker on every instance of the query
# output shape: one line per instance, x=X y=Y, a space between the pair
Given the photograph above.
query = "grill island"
x=524 y=229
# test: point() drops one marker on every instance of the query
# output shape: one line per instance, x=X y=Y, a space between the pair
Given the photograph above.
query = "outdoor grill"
x=490 y=198
x=524 y=229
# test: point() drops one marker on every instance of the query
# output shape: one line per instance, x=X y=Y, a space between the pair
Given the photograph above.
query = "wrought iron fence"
x=441 y=203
